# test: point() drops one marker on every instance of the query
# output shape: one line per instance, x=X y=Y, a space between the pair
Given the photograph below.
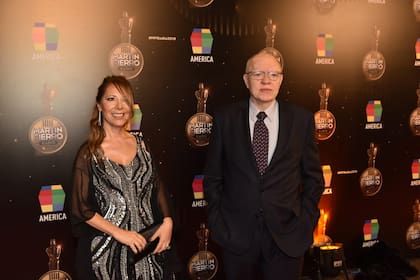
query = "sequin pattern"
x=124 y=196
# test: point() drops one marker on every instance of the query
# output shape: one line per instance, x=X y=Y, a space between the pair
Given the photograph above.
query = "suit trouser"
x=264 y=260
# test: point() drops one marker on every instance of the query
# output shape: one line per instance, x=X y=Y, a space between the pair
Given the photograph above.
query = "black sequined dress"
x=130 y=197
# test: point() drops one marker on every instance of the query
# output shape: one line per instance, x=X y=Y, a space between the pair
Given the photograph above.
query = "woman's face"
x=115 y=107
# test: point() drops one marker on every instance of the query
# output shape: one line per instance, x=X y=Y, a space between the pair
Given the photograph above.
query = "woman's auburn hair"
x=96 y=132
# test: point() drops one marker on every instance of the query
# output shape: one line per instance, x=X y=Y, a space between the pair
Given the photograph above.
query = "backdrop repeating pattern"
x=55 y=53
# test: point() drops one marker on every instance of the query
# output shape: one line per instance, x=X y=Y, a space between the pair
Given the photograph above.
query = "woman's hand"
x=164 y=233
x=131 y=238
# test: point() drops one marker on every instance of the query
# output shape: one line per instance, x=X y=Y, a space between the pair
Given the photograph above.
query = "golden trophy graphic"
x=270 y=33
x=415 y=116
x=371 y=178
x=54 y=273
x=126 y=59
x=47 y=134
x=270 y=30
x=416 y=9
x=413 y=231
x=325 y=123
x=203 y=265
x=198 y=126
x=324 y=6
x=374 y=61
x=200 y=3
x=320 y=236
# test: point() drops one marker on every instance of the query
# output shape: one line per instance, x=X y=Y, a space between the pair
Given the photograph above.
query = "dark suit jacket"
x=287 y=195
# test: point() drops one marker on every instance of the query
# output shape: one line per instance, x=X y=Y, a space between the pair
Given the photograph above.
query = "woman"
x=116 y=195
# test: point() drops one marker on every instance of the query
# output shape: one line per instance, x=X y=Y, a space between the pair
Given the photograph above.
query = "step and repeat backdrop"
x=354 y=63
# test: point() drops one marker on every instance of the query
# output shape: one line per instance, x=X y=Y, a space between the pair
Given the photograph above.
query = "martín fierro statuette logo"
x=371 y=178
x=270 y=30
x=324 y=6
x=203 y=265
x=48 y=134
x=200 y=3
x=374 y=62
x=54 y=252
x=198 y=126
x=325 y=123
x=413 y=231
x=416 y=9
x=415 y=116
x=126 y=59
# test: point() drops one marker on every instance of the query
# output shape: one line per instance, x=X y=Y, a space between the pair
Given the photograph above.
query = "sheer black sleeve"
x=162 y=206
x=163 y=199
x=82 y=206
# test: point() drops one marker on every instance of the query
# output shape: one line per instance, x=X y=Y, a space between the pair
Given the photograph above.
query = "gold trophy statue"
x=416 y=9
x=200 y=3
x=320 y=236
x=126 y=59
x=198 y=126
x=324 y=6
x=415 y=116
x=47 y=134
x=374 y=62
x=324 y=120
x=270 y=34
x=203 y=265
x=54 y=252
x=413 y=231
x=371 y=178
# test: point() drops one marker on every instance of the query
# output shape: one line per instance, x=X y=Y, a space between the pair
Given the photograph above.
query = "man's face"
x=263 y=78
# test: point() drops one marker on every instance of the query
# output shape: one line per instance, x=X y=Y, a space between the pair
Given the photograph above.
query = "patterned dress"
x=127 y=196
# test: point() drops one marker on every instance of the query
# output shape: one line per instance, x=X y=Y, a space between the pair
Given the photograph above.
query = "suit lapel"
x=285 y=122
x=245 y=130
x=244 y=119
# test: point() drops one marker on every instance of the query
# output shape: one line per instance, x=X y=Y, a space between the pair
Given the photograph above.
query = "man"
x=263 y=214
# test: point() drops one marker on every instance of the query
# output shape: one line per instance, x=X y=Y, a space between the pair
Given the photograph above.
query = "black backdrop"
x=88 y=30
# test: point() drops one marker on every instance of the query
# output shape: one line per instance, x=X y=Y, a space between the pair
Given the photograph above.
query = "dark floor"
x=352 y=272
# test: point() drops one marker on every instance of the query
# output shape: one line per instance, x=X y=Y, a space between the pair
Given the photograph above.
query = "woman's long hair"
x=96 y=132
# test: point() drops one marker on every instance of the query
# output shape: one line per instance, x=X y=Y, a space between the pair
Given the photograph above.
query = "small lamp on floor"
x=328 y=256
x=331 y=260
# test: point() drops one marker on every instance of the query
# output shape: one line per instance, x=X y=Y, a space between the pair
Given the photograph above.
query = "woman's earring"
x=100 y=118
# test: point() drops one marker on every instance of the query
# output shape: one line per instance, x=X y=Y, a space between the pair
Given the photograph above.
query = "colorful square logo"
x=415 y=169
x=44 y=37
x=326 y=170
x=135 y=122
x=201 y=41
x=371 y=229
x=374 y=111
x=197 y=186
x=324 y=45
x=51 y=198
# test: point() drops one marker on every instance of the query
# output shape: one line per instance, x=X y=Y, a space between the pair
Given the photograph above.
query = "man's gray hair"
x=270 y=51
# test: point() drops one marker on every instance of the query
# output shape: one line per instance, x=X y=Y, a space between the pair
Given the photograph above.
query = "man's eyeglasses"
x=259 y=75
